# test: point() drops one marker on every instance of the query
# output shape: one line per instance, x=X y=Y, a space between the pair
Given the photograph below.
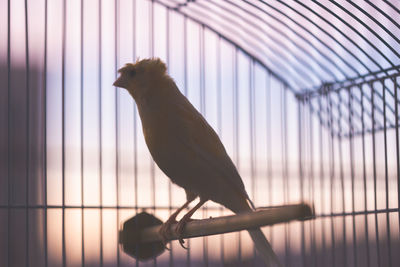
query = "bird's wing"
x=198 y=137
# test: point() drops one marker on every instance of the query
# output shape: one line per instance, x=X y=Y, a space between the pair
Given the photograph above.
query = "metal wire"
x=211 y=28
x=219 y=120
x=8 y=129
x=100 y=136
x=330 y=80
x=64 y=17
x=253 y=7
x=351 y=155
x=116 y=43
x=374 y=172
x=364 y=170
x=82 y=21
x=397 y=143
x=45 y=135
x=27 y=66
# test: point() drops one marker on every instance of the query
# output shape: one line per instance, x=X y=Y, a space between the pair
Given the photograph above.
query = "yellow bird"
x=186 y=148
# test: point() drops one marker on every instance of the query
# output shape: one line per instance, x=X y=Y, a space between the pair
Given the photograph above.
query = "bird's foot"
x=180 y=227
x=165 y=229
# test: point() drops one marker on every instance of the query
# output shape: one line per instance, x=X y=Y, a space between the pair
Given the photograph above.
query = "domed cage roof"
x=307 y=44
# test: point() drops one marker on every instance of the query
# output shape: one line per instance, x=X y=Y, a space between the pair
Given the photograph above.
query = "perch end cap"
x=129 y=237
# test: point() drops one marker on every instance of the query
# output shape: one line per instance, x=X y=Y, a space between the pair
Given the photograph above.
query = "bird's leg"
x=165 y=227
x=181 y=224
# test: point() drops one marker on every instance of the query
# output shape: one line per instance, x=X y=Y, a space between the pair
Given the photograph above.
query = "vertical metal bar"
x=340 y=140
x=322 y=180
x=374 y=171
x=288 y=258
x=203 y=111
x=235 y=106
x=301 y=174
x=308 y=255
x=82 y=139
x=219 y=122
x=152 y=164
x=236 y=126
x=45 y=133
x=351 y=131
x=152 y=167
x=9 y=131
x=27 y=135
x=64 y=259
x=134 y=33
x=201 y=70
x=312 y=178
x=151 y=33
x=268 y=112
x=184 y=53
x=396 y=100
x=253 y=166
x=308 y=252
x=364 y=174
x=386 y=172
x=332 y=173
x=135 y=154
x=135 y=165
x=171 y=252
x=116 y=55
x=100 y=137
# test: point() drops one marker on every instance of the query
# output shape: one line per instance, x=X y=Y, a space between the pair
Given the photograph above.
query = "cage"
x=303 y=94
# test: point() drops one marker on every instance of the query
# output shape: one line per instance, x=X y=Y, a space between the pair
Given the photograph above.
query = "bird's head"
x=140 y=77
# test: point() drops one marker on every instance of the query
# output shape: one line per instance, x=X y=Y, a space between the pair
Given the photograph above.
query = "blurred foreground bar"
x=142 y=230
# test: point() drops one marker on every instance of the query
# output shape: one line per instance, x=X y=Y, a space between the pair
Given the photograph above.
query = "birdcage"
x=303 y=94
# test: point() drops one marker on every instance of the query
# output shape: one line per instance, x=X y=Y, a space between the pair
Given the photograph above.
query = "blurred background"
x=304 y=95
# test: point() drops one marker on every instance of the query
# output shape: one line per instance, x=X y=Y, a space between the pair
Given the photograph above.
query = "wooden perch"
x=227 y=224
x=143 y=229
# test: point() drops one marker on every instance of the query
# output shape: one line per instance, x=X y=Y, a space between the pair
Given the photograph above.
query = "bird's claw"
x=164 y=240
x=182 y=242
x=164 y=230
x=179 y=230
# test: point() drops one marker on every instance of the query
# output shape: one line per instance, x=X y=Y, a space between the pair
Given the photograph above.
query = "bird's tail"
x=261 y=243
x=264 y=248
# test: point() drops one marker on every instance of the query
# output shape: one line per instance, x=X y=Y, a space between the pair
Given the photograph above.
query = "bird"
x=186 y=148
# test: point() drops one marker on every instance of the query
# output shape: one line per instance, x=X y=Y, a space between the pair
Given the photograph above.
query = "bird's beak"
x=121 y=82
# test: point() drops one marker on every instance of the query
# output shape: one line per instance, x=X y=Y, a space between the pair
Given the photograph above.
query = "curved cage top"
x=306 y=44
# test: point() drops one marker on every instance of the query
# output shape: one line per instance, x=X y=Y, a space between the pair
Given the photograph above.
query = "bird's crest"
x=151 y=65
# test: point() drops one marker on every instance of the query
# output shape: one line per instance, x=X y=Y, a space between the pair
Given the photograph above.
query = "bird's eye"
x=132 y=72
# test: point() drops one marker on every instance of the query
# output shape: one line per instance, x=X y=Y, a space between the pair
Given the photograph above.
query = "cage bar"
x=307 y=105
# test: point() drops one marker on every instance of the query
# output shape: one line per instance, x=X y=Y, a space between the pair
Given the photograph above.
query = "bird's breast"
x=156 y=133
